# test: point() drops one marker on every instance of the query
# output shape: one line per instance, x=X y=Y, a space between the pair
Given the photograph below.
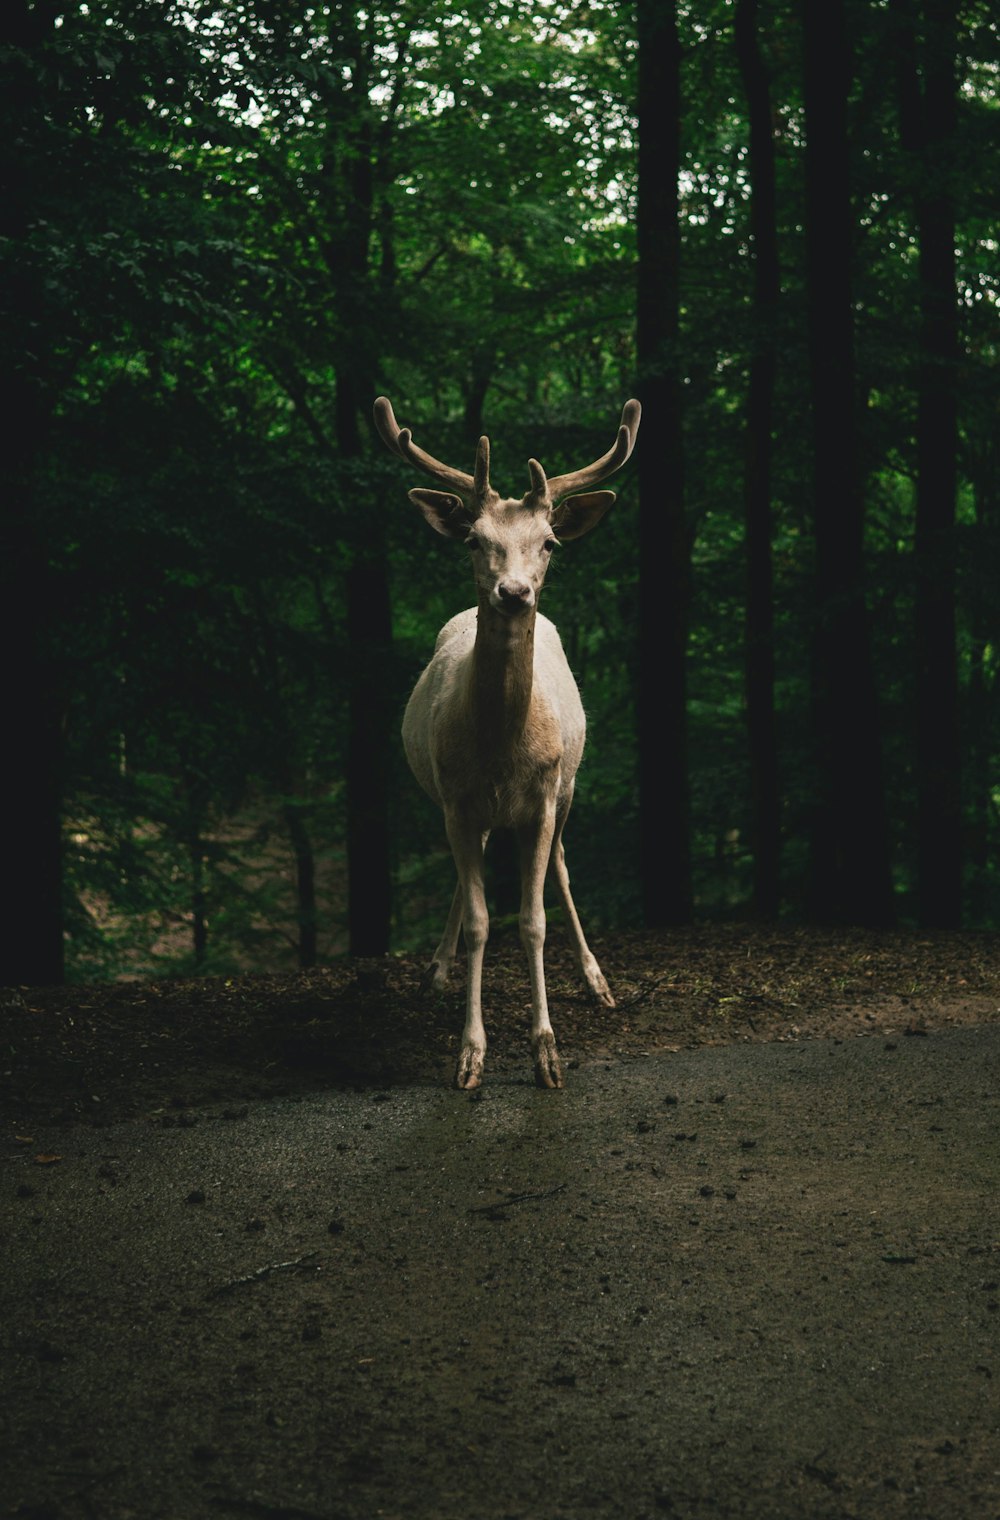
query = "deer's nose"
x=514 y=593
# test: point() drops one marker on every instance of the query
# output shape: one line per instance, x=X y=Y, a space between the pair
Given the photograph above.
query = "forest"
x=228 y=225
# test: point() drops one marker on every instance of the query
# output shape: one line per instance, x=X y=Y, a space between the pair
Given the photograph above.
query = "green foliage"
x=226 y=215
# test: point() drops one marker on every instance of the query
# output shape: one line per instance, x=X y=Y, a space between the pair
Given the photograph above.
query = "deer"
x=494 y=729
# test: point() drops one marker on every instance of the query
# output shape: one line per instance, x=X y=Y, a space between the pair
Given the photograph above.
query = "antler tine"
x=481 y=479
x=539 y=493
x=578 y=480
x=400 y=441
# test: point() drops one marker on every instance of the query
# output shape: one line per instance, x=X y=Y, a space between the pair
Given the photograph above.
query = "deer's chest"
x=499 y=768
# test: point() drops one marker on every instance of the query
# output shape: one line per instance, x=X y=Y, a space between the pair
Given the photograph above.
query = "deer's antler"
x=400 y=441
x=559 y=486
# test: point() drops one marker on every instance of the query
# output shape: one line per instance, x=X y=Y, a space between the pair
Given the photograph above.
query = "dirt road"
x=753 y=1280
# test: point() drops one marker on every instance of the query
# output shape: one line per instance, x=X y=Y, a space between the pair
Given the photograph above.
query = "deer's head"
x=510 y=539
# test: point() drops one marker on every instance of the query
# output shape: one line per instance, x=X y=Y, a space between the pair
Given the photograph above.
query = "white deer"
x=494 y=730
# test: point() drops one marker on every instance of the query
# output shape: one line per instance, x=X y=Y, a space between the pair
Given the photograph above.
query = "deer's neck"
x=502 y=672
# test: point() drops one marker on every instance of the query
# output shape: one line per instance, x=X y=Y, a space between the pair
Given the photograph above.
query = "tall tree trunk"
x=665 y=548
x=939 y=850
x=850 y=861
x=33 y=696
x=31 y=934
x=757 y=476
x=369 y=612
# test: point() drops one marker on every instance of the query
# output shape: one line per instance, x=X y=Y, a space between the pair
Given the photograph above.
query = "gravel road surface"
x=755 y=1280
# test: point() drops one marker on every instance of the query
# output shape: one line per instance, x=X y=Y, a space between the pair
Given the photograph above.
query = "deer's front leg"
x=467 y=848
x=536 y=844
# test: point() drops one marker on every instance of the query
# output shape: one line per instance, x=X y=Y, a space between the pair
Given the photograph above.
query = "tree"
x=928 y=115
x=665 y=860
x=757 y=477
x=79 y=257
x=228 y=227
x=850 y=863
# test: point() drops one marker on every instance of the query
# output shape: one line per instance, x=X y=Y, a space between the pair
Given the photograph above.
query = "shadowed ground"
x=756 y=1278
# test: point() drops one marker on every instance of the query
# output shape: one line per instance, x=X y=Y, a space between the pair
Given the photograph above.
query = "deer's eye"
x=550 y=544
x=473 y=541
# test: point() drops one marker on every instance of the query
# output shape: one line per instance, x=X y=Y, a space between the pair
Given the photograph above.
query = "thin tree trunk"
x=979 y=770
x=475 y=396
x=369 y=637
x=294 y=809
x=305 y=882
x=369 y=632
x=984 y=455
x=199 y=903
x=757 y=476
x=665 y=549
x=850 y=863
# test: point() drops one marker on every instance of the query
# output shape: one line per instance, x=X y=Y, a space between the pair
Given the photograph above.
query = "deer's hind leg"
x=438 y=973
x=589 y=969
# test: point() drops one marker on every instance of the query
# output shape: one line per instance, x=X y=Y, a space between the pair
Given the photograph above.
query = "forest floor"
x=102 y=1052
x=259 y=1258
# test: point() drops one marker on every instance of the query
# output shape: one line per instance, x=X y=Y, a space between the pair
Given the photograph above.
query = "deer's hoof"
x=470 y=1067
x=599 y=989
x=434 y=979
x=548 y=1067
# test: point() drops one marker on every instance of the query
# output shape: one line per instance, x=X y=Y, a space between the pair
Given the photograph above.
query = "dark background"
x=228 y=226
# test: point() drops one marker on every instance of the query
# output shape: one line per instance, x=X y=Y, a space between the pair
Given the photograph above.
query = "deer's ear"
x=578 y=514
x=446 y=513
